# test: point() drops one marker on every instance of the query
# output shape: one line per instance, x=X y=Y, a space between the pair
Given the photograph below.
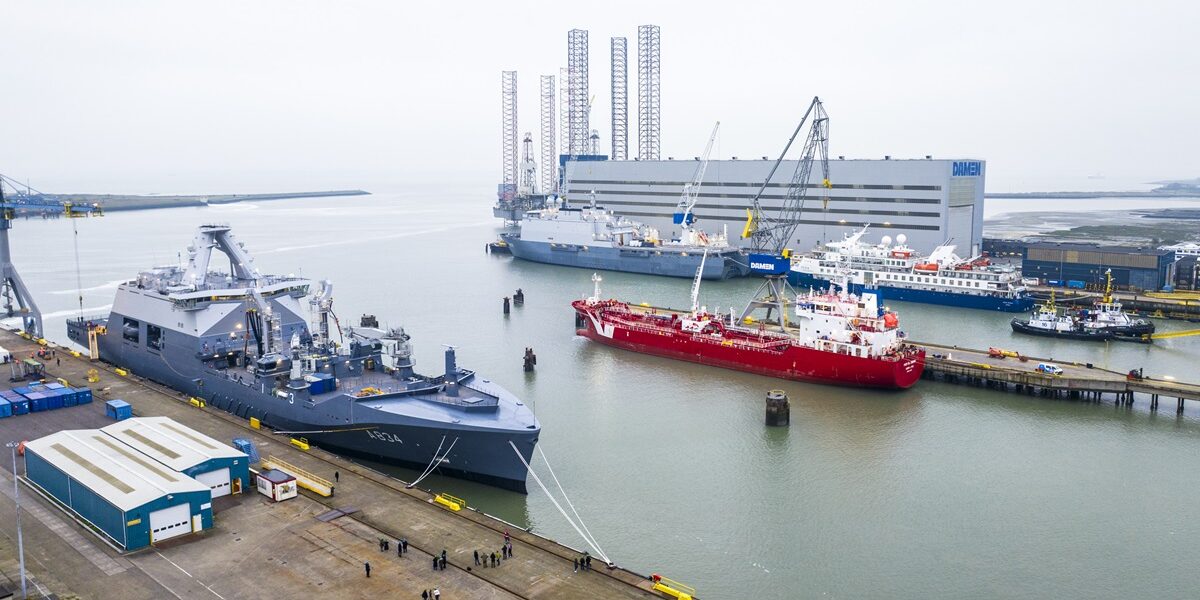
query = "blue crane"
x=12 y=287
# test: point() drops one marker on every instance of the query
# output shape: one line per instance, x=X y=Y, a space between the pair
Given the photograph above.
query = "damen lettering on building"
x=967 y=168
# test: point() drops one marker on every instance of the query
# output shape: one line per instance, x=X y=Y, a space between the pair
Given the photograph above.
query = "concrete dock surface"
x=261 y=549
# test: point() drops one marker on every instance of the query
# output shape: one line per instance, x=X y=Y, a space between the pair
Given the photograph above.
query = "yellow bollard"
x=255 y=423
x=121 y=372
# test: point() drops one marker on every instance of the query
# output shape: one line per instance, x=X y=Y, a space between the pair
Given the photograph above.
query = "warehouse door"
x=217 y=481
x=170 y=522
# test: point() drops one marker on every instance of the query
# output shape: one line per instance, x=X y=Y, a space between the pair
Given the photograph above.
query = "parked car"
x=1049 y=369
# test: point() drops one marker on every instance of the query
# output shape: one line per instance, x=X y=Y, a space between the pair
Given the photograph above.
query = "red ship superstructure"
x=829 y=336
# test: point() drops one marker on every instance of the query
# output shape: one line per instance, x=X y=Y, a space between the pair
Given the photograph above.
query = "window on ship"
x=130 y=330
x=154 y=336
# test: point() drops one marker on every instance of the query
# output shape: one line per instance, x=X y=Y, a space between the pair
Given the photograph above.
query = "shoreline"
x=116 y=202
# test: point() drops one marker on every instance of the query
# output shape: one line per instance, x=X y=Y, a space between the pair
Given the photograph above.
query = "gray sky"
x=121 y=96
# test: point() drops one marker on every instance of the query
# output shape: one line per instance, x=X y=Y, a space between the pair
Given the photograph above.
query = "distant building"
x=1141 y=268
x=1187 y=273
x=930 y=201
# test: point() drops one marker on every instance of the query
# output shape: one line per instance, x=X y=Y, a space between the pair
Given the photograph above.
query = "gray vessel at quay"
x=594 y=238
x=241 y=342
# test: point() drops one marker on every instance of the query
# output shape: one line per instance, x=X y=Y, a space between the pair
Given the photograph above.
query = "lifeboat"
x=901 y=253
x=927 y=267
x=890 y=320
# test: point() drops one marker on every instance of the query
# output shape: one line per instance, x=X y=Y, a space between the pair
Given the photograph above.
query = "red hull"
x=793 y=362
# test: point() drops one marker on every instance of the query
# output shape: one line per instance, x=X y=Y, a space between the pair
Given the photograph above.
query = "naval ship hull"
x=351 y=428
x=720 y=264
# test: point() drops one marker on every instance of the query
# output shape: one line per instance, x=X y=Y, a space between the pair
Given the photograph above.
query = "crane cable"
x=78 y=274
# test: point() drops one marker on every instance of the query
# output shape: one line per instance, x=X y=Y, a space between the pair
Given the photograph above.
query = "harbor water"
x=938 y=491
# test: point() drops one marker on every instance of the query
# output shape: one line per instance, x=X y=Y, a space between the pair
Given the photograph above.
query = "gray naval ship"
x=241 y=342
x=594 y=238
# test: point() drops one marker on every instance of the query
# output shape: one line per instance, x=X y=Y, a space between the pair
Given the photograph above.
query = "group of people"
x=439 y=562
x=495 y=558
x=385 y=545
x=583 y=562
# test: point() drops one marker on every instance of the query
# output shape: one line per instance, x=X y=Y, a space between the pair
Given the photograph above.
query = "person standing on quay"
x=367 y=567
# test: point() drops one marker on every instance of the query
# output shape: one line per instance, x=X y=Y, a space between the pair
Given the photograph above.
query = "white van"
x=1050 y=368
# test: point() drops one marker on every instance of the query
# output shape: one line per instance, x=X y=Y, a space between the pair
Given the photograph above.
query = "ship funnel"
x=451 y=372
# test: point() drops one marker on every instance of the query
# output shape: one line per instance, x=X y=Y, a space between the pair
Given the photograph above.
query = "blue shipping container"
x=1075 y=284
x=24 y=391
x=54 y=385
x=38 y=404
x=54 y=402
x=118 y=409
x=246 y=446
x=68 y=396
x=83 y=395
x=5 y=408
x=20 y=407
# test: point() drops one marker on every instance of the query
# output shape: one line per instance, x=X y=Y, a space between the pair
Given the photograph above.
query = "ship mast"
x=696 y=284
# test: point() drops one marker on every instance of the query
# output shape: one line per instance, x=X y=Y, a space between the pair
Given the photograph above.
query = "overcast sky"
x=119 y=96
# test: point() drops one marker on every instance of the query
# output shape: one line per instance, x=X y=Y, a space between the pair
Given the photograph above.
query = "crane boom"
x=12 y=287
x=691 y=191
x=771 y=232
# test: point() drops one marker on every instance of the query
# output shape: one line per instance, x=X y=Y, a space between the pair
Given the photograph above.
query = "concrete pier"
x=1019 y=374
x=260 y=549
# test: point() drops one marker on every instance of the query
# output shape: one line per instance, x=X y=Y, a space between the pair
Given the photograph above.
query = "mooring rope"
x=594 y=543
x=435 y=461
x=537 y=479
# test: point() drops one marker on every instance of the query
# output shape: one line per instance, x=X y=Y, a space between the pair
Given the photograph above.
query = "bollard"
x=778 y=410
x=530 y=360
x=519 y=297
x=506 y=306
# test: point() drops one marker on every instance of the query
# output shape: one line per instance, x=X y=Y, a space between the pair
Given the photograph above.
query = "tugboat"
x=1049 y=321
x=1108 y=314
x=830 y=337
x=1106 y=320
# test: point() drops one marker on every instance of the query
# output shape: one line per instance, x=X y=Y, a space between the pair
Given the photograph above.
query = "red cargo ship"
x=832 y=337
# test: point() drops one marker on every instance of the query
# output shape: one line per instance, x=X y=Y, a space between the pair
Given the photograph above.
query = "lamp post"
x=17 y=497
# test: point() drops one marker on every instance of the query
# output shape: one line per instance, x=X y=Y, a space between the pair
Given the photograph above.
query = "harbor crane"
x=771 y=232
x=12 y=287
x=684 y=216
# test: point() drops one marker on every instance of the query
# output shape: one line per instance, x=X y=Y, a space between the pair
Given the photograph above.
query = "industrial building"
x=123 y=494
x=1132 y=268
x=930 y=201
x=184 y=450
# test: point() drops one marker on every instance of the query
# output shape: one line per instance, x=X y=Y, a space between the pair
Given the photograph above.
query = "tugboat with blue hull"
x=241 y=342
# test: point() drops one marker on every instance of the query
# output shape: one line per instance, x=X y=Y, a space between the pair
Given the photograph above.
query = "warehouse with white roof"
x=130 y=498
x=222 y=468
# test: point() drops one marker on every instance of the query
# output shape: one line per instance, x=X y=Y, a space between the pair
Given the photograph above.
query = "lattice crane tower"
x=508 y=136
x=577 y=111
x=528 y=167
x=548 y=154
x=649 y=93
x=620 y=99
